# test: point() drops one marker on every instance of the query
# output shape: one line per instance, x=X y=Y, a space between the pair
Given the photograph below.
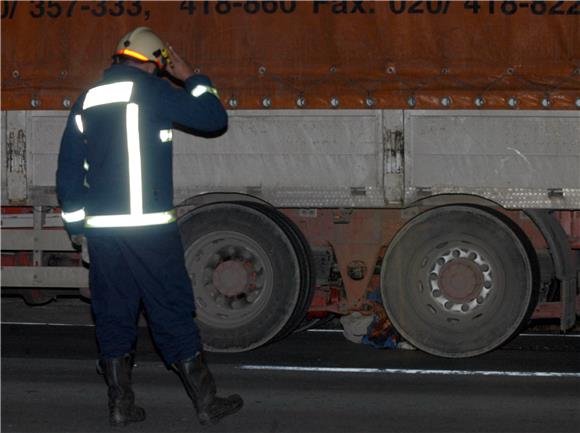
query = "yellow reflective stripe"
x=213 y=91
x=165 y=135
x=135 y=54
x=79 y=122
x=73 y=217
x=200 y=89
x=131 y=220
x=134 y=151
x=108 y=94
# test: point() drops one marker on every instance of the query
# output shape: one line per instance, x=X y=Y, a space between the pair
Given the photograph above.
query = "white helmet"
x=143 y=44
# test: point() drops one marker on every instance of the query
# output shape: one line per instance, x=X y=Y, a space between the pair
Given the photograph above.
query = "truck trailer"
x=425 y=150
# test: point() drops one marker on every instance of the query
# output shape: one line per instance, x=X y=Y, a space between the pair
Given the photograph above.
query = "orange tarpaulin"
x=422 y=54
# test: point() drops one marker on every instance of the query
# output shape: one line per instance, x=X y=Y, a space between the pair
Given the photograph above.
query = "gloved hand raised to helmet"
x=177 y=66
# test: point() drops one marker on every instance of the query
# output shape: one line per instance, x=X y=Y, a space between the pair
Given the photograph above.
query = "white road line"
x=411 y=371
x=550 y=335
x=48 y=324
x=330 y=331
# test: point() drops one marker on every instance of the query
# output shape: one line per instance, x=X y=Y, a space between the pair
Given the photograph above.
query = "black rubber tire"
x=252 y=232
x=432 y=319
x=306 y=263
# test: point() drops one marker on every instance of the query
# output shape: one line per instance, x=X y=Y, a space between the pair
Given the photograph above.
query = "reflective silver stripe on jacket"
x=108 y=94
x=131 y=220
x=114 y=93
x=166 y=135
x=73 y=217
x=79 y=122
x=200 y=89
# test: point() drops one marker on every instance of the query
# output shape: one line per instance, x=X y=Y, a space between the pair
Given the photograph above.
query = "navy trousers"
x=137 y=267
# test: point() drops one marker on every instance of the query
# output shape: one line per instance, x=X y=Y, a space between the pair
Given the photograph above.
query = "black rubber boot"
x=201 y=388
x=122 y=409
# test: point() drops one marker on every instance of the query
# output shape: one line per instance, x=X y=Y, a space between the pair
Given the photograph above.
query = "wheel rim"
x=461 y=279
x=237 y=278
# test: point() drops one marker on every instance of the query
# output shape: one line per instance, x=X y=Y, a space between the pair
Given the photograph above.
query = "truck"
x=427 y=151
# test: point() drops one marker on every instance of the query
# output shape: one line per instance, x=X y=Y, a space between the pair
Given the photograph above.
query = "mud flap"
x=563 y=263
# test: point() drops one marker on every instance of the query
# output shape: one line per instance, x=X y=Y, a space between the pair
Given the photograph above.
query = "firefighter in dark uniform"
x=114 y=183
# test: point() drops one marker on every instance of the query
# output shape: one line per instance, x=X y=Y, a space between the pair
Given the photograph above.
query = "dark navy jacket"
x=115 y=158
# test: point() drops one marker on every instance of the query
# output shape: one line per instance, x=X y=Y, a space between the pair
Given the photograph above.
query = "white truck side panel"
x=288 y=157
x=341 y=158
x=521 y=159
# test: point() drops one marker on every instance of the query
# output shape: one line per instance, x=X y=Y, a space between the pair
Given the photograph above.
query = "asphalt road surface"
x=310 y=382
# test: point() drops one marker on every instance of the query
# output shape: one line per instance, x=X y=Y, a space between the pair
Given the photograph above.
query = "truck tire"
x=306 y=263
x=245 y=275
x=459 y=281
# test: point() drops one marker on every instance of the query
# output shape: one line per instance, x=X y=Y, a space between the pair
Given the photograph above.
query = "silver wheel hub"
x=232 y=276
x=461 y=279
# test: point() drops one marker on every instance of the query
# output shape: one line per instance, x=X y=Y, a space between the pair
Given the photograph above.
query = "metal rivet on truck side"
x=546 y=102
